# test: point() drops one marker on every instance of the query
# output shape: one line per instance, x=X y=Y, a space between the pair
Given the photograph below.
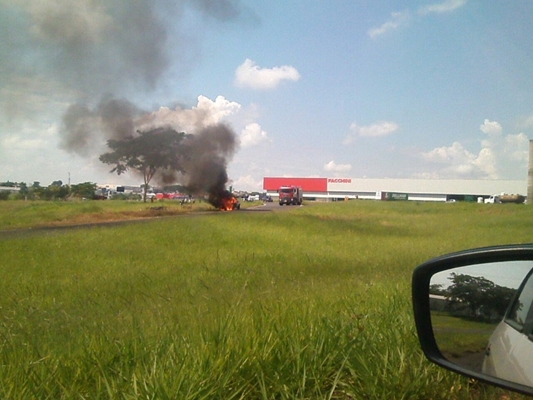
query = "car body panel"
x=509 y=355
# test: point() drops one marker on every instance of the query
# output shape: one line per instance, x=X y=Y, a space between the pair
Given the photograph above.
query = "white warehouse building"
x=397 y=189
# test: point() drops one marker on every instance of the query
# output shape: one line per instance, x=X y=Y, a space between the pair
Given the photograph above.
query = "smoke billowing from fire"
x=207 y=149
x=92 y=54
x=86 y=48
x=83 y=129
x=205 y=170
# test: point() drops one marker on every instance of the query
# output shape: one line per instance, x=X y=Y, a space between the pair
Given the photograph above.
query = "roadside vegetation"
x=38 y=214
x=55 y=191
x=16 y=215
x=311 y=303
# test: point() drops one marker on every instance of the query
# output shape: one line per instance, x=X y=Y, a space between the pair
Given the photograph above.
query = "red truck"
x=290 y=195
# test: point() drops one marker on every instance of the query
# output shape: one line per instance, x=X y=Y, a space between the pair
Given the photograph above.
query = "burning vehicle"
x=230 y=204
x=224 y=201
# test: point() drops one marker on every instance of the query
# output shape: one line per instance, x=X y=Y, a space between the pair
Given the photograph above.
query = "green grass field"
x=312 y=303
x=459 y=336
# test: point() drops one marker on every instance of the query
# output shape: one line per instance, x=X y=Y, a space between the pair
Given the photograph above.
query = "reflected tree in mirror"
x=471 y=305
x=480 y=298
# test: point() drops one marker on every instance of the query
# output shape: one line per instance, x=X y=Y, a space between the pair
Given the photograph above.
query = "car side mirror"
x=474 y=314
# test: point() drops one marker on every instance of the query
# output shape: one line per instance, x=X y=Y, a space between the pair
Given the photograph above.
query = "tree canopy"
x=84 y=190
x=149 y=152
x=55 y=191
x=484 y=298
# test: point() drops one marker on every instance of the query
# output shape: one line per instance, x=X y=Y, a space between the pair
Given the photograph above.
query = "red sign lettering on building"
x=339 y=180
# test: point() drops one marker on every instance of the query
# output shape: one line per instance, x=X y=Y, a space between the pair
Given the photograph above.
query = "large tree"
x=84 y=190
x=157 y=150
x=484 y=298
x=55 y=191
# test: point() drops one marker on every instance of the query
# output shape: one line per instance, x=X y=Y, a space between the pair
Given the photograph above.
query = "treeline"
x=55 y=191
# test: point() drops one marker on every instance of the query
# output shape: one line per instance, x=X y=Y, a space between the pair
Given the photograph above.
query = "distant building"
x=14 y=189
x=119 y=188
x=331 y=189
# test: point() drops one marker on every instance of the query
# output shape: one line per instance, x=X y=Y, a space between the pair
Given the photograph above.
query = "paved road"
x=273 y=206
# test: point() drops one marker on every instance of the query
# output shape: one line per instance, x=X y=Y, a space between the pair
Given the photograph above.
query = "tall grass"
x=34 y=214
x=311 y=303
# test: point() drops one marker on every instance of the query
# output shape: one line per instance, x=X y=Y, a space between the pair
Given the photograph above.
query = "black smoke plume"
x=76 y=52
x=86 y=48
x=206 y=165
x=204 y=157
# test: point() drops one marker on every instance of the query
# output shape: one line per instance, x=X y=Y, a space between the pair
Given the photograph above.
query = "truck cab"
x=290 y=195
x=493 y=199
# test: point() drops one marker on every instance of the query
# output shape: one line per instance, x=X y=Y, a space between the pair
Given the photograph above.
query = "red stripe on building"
x=307 y=184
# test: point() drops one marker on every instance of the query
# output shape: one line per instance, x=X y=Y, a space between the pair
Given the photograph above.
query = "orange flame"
x=228 y=203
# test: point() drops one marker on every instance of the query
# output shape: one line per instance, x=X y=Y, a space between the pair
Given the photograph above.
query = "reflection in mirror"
x=482 y=317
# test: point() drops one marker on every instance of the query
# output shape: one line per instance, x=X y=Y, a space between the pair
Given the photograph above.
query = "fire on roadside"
x=224 y=200
x=229 y=203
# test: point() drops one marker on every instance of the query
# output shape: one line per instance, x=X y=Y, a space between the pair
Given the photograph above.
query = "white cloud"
x=397 y=20
x=400 y=19
x=217 y=109
x=508 y=152
x=253 y=135
x=248 y=74
x=248 y=183
x=332 y=167
x=500 y=156
x=378 y=129
x=486 y=161
x=452 y=154
x=206 y=112
x=444 y=7
x=517 y=146
x=457 y=161
x=491 y=127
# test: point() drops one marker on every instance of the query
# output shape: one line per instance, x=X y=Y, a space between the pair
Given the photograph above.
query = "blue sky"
x=391 y=89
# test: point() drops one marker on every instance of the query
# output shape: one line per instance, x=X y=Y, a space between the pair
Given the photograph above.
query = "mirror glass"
x=482 y=317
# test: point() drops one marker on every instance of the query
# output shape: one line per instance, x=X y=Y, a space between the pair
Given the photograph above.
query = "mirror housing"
x=421 y=282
